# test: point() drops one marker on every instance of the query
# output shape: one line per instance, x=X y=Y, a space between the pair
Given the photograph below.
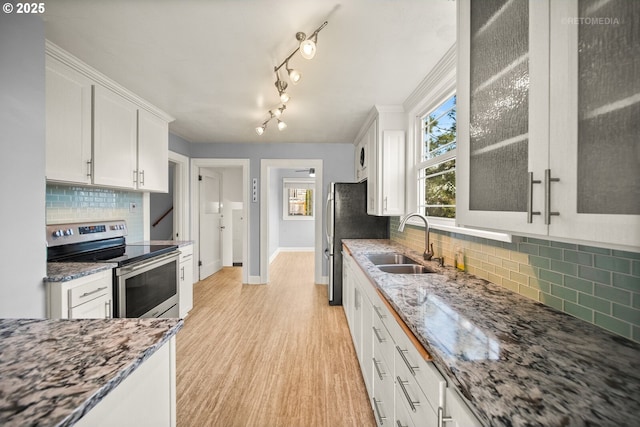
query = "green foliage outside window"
x=439 y=178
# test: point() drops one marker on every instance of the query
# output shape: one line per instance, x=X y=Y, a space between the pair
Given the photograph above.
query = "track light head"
x=308 y=49
x=294 y=75
x=281 y=125
x=260 y=129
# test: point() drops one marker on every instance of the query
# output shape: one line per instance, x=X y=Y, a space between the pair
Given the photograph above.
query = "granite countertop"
x=516 y=361
x=54 y=371
x=178 y=243
x=65 y=271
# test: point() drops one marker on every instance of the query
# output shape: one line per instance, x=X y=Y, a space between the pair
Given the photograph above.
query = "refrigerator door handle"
x=329 y=216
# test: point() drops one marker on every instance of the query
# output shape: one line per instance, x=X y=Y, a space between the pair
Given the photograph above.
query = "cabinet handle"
x=86 y=294
x=89 y=168
x=380 y=373
x=181 y=273
x=399 y=424
x=441 y=418
x=377 y=332
x=377 y=310
x=547 y=196
x=380 y=416
x=530 y=212
x=412 y=403
x=412 y=369
x=135 y=177
x=142 y=177
x=107 y=310
x=385 y=203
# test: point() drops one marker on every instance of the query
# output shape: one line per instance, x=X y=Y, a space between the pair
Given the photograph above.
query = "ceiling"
x=209 y=63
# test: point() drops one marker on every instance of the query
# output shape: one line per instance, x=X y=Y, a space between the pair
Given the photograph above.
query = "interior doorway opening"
x=227 y=217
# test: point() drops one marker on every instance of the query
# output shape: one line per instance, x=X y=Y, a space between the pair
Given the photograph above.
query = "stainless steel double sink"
x=396 y=263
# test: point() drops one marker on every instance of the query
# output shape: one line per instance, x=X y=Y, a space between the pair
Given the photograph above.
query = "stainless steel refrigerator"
x=347 y=219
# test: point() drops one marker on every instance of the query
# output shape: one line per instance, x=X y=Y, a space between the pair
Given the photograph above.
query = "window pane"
x=439 y=130
x=440 y=189
x=300 y=202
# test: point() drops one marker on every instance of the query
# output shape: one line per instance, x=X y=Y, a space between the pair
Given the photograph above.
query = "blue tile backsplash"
x=73 y=203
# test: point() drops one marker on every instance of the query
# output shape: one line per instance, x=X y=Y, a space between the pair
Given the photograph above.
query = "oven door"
x=148 y=288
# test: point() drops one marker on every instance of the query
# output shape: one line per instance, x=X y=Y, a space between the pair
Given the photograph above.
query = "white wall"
x=22 y=162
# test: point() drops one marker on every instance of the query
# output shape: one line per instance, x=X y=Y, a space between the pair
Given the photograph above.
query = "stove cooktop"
x=125 y=254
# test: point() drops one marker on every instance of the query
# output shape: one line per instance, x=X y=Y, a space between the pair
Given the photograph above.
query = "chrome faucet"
x=428 y=250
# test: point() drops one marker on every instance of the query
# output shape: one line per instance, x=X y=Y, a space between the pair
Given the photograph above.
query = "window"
x=437 y=163
x=298 y=199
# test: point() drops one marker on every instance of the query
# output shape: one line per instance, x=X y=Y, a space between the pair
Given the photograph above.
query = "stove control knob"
x=57 y=233
x=68 y=232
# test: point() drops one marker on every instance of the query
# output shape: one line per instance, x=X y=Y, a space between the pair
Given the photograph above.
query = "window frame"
x=309 y=183
x=423 y=164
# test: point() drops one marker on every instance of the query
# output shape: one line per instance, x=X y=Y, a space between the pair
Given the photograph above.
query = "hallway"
x=274 y=355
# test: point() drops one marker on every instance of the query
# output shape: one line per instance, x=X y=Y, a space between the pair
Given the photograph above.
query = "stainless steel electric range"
x=145 y=281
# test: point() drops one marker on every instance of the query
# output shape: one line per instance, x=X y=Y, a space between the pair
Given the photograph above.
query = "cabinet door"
x=186 y=281
x=153 y=152
x=392 y=180
x=98 y=308
x=594 y=110
x=373 y=170
x=367 y=344
x=68 y=124
x=497 y=77
x=114 y=139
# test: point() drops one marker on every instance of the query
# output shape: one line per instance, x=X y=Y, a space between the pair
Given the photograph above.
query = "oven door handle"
x=160 y=259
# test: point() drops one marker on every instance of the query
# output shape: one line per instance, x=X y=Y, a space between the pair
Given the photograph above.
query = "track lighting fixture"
x=274 y=113
x=307 y=48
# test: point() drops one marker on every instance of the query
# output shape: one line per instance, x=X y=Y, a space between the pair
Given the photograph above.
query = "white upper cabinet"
x=114 y=140
x=100 y=133
x=68 y=124
x=384 y=137
x=153 y=152
x=545 y=120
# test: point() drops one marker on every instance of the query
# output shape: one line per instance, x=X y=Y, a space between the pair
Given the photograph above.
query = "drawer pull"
x=412 y=403
x=86 y=294
x=377 y=332
x=441 y=418
x=107 y=310
x=381 y=374
x=399 y=424
x=377 y=310
x=412 y=369
x=380 y=416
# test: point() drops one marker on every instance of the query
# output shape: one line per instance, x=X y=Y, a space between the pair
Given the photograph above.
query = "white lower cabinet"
x=404 y=389
x=185 y=292
x=146 y=398
x=88 y=297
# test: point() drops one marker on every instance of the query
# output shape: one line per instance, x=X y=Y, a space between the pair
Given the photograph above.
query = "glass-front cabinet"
x=547 y=96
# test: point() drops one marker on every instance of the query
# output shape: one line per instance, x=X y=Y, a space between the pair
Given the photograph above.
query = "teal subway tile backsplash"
x=597 y=285
x=71 y=203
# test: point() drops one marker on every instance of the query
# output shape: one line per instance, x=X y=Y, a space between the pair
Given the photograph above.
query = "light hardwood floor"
x=268 y=355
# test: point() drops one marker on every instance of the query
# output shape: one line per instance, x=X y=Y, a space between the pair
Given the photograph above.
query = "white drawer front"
x=89 y=291
x=421 y=371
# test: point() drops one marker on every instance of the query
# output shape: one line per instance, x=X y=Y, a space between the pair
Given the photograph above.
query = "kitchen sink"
x=405 y=269
x=390 y=258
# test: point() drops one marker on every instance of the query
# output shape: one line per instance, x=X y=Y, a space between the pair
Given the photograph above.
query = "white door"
x=210 y=223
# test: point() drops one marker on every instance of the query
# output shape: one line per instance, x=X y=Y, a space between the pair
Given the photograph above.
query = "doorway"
x=266 y=217
x=233 y=195
x=210 y=187
x=169 y=212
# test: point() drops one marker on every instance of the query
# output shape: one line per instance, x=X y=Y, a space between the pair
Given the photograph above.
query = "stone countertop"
x=178 y=243
x=54 y=371
x=516 y=361
x=65 y=271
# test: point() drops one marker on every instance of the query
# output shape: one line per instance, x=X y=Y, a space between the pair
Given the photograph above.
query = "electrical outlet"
x=133 y=207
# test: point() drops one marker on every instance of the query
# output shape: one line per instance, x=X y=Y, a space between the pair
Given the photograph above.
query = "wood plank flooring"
x=268 y=355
